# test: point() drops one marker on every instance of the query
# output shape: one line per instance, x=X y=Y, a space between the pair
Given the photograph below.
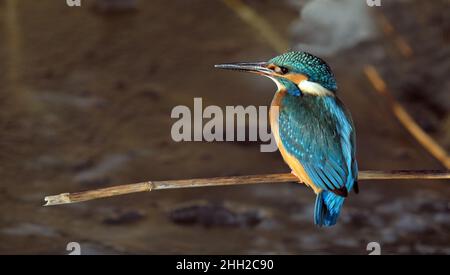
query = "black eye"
x=283 y=70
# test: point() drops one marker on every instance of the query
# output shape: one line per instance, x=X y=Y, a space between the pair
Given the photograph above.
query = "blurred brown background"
x=85 y=102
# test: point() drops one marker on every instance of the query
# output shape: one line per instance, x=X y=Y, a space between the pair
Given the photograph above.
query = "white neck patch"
x=313 y=88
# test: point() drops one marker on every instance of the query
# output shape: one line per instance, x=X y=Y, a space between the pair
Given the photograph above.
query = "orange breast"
x=293 y=163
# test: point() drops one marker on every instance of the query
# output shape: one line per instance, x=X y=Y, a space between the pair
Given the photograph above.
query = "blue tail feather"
x=327 y=208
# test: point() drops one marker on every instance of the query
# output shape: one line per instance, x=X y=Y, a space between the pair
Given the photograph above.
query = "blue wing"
x=320 y=134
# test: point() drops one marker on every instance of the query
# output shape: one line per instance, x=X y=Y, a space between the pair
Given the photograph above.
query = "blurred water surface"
x=86 y=96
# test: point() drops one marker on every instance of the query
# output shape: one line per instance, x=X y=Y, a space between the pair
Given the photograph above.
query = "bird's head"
x=296 y=72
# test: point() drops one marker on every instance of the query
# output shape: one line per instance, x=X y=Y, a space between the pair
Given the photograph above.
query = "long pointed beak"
x=258 y=68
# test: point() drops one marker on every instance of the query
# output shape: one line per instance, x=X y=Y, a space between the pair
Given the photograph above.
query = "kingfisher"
x=313 y=130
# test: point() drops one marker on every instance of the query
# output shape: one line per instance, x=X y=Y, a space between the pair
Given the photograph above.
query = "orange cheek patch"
x=271 y=67
x=296 y=78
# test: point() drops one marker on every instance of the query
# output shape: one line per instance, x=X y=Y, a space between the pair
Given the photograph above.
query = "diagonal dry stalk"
x=259 y=24
x=148 y=186
x=398 y=110
x=406 y=120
